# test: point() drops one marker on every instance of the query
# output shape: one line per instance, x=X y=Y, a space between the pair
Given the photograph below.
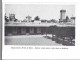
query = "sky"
x=44 y=11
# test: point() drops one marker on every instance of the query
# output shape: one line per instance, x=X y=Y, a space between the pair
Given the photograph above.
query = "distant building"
x=66 y=19
x=73 y=20
x=62 y=15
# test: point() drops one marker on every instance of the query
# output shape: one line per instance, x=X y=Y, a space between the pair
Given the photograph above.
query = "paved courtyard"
x=30 y=40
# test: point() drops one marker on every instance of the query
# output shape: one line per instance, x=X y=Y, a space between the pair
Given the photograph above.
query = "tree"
x=6 y=19
x=15 y=20
x=36 y=18
x=67 y=18
x=54 y=31
x=53 y=20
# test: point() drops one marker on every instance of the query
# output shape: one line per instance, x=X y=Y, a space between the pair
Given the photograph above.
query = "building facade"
x=62 y=15
x=32 y=27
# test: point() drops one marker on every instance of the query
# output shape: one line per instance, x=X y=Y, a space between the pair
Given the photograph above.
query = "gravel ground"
x=29 y=40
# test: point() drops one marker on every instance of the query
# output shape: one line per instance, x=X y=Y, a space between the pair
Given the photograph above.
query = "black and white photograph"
x=39 y=24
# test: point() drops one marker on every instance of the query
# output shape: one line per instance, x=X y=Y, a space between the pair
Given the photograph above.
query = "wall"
x=31 y=30
x=23 y=30
x=38 y=30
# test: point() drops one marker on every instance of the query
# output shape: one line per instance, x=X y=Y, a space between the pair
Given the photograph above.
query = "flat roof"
x=39 y=24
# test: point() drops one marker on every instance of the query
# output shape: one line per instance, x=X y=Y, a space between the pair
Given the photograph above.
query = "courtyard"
x=30 y=40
